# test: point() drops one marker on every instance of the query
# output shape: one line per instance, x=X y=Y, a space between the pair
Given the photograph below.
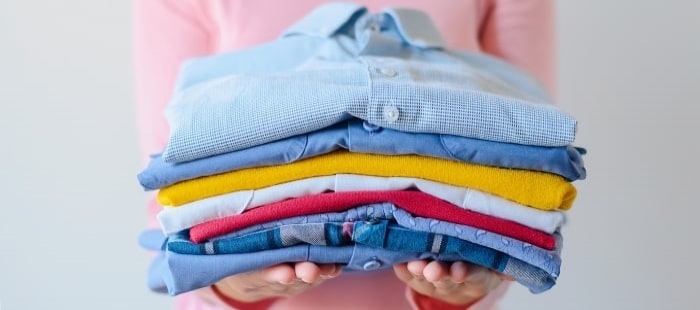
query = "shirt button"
x=370 y=127
x=372 y=265
x=391 y=114
x=387 y=72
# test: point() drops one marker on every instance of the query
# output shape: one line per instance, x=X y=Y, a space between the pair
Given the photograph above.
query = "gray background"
x=71 y=208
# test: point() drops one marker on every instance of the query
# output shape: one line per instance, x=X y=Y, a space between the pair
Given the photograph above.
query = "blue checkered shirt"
x=341 y=62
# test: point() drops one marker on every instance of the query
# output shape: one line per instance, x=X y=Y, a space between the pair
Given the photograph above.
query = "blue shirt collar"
x=414 y=27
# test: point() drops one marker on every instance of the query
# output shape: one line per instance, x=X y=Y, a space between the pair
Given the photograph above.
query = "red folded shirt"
x=415 y=202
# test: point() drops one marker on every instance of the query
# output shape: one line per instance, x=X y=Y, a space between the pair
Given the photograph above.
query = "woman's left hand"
x=457 y=283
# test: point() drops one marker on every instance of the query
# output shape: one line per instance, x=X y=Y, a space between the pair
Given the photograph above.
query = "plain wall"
x=72 y=209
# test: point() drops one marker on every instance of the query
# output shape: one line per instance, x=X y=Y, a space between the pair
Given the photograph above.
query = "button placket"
x=381 y=111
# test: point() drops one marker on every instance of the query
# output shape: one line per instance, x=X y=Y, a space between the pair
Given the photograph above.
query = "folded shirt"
x=369 y=66
x=185 y=216
x=548 y=260
x=326 y=31
x=540 y=190
x=241 y=111
x=173 y=273
x=416 y=203
x=375 y=233
x=361 y=137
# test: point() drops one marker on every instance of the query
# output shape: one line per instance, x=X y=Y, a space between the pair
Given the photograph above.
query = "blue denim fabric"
x=360 y=137
x=374 y=233
x=175 y=273
x=329 y=234
x=549 y=261
x=178 y=273
x=390 y=69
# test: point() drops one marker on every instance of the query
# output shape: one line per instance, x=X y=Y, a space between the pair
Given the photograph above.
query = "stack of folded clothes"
x=361 y=141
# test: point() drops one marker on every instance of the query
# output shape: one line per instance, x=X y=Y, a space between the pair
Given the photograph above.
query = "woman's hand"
x=282 y=280
x=457 y=283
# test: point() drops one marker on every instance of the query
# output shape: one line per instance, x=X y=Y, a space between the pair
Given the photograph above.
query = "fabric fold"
x=416 y=203
x=540 y=190
x=185 y=216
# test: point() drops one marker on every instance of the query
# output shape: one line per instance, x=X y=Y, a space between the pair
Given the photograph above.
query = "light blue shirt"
x=361 y=137
x=340 y=62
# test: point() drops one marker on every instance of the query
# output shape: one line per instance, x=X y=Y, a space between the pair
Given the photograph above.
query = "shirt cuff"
x=235 y=304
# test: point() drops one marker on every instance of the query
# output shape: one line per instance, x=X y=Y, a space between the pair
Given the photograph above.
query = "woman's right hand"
x=282 y=280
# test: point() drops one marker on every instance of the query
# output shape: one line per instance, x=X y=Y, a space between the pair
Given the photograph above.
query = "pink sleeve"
x=523 y=33
x=165 y=33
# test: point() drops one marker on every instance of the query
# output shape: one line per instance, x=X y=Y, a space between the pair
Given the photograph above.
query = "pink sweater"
x=168 y=31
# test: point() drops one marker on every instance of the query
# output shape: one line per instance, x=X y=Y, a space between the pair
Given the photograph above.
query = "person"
x=167 y=32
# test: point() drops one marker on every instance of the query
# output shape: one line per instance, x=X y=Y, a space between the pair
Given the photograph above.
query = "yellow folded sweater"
x=536 y=189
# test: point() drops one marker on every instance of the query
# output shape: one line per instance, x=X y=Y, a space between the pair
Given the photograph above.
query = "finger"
x=281 y=273
x=435 y=271
x=401 y=271
x=459 y=272
x=329 y=271
x=482 y=278
x=338 y=270
x=505 y=277
x=307 y=271
x=478 y=274
x=416 y=267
